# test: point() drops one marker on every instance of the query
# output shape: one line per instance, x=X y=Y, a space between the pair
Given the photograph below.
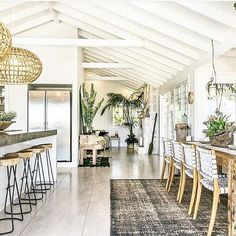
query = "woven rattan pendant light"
x=5 y=41
x=20 y=66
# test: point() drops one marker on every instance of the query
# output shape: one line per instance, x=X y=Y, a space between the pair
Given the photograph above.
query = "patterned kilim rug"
x=143 y=208
x=101 y=162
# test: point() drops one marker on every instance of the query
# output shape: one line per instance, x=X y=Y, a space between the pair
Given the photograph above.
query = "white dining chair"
x=167 y=160
x=209 y=178
x=177 y=164
x=190 y=170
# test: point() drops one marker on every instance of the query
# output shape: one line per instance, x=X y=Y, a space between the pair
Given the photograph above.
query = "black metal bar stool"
x=38 y=172
x=47 y=147
x=26 y=180
x=11 y=165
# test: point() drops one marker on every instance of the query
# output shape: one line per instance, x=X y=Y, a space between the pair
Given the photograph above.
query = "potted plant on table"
x=219 y=129
x=89 y=108
x=6 y=119
x=130 y=106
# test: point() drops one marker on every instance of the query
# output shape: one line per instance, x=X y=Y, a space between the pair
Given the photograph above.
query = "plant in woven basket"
x=7 y=116
x=219 y=129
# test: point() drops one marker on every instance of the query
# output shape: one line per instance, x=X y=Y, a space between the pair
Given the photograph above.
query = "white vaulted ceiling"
x=134 y=41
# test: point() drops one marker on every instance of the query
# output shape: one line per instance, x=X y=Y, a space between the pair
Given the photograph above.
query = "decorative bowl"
x=5 y=124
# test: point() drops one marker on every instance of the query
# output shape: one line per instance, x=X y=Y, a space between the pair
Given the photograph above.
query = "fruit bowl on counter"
x=6 y=119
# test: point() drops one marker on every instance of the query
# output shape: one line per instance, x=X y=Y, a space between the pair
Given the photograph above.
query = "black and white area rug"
x=143 y=207
x=100 y=162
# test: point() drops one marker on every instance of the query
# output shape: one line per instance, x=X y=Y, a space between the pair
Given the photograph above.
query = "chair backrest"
x=206 y=163
x=189 y=156
x=167 y=147
x=177 y=151
x=88 y=139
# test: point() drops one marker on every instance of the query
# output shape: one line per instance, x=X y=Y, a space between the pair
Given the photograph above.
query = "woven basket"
x=222 y=140
x=5 y=124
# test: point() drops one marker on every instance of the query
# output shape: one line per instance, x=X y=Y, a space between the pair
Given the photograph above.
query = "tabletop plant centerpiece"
x=130 y=106
x=6 y=119
x=89 y=108
x=219 y=129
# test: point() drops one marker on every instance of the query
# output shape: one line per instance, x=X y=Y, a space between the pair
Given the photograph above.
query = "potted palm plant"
x=89 y=108
x=130 y=106
x=219 y=129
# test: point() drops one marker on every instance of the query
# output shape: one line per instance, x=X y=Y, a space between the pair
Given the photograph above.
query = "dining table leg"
x=232 y=197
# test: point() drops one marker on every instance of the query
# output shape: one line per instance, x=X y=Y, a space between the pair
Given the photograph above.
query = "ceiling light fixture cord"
x=213 y=60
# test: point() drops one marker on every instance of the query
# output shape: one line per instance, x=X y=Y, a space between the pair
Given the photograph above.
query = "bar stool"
x=47 y=147
x=11 y=164
x=38 y=172
x=25 y=156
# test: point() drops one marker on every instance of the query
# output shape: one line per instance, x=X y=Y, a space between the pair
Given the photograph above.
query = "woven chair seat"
x=223 y=182
x=177 y=165
x=189 y=173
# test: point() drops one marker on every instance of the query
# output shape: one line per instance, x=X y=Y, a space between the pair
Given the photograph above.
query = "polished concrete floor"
x=80 y=203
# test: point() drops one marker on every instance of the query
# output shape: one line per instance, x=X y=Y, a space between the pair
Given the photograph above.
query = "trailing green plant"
x=218 y=124
x=89 y=106
x=7 y=116
x=130 y=106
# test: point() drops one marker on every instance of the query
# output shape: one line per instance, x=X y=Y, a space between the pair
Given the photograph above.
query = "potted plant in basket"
x=6 y=119
x=219 y=129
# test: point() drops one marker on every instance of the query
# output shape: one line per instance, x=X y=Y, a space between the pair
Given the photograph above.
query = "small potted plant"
x=219 y=129
x=131 y=140
x=6 y=119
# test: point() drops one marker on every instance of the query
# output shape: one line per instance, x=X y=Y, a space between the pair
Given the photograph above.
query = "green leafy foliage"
x=130 y=106
x=7 y=116
x=89 y=106
x=218 y=124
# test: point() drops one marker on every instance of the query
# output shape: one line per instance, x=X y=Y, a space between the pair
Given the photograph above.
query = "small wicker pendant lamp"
x=20 y=66
x=5 y=41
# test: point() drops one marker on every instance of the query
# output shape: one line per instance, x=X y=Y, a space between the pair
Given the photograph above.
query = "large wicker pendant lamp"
x=17 y=65
x=20 y=66
x=5 y=41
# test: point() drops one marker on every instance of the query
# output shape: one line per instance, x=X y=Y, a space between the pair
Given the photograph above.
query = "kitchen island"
x=16 y=141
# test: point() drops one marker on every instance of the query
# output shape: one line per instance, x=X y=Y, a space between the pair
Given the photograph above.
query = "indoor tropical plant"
x=6 y=119
x=89 y=107
x=130 y=106
x=219 y=129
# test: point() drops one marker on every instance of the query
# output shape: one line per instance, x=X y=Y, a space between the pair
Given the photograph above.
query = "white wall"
x=197 y=80
x=105 y=122
x=60 y=66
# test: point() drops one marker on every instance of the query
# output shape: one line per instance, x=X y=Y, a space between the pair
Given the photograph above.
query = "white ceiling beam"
x=26 y=12
x=140 y=57
x=30 y=24
x=212 y=12
x=6 y=5
x=136 y=67
x=176 y=14
x=78 y=42
x=90 y=10
x=106 y=65
x=97 y=28
x=104 y=78
x=136 y=73
x=149 y=70
x=132 y=79
x=159 y=25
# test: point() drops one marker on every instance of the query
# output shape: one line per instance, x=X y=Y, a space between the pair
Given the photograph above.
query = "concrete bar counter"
x=16 y=141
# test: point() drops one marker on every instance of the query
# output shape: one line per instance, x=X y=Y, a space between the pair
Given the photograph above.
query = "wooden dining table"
x=226 y=158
